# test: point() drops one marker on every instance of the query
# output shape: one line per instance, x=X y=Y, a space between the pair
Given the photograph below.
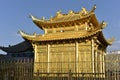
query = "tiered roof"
x=66 y=19
x=62 y=35
x=65 y=36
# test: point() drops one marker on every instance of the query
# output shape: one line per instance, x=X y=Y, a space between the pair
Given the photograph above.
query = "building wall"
x=62 y=57
x=85 y=57
x=78 y=56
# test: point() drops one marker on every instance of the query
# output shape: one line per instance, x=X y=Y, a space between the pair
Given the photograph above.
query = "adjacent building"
x=22 y=49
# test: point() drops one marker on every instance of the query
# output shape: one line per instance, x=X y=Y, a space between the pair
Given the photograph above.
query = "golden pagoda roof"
x=57 y=36
x=66 y=35
x=71 y=17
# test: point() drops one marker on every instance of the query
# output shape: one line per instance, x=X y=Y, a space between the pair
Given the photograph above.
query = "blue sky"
x=14 y=15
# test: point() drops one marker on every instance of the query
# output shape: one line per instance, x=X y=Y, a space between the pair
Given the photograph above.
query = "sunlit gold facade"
x=72 y=41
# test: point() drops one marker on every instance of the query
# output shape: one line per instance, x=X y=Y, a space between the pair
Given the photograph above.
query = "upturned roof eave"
x=105 y=41
x=41 y=38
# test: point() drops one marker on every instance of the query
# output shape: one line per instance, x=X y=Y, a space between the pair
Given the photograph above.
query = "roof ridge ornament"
x=58 y=12
x=111 y=40
x=71 y=12
x=43 y=18
x=104 y=24
x=93 y=8
x=84 y=11
x=51 y=18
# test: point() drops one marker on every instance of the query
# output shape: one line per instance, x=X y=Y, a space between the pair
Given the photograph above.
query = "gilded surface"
x=72 y=41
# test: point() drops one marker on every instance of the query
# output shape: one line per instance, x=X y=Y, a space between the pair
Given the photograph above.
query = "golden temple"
x=72 y=41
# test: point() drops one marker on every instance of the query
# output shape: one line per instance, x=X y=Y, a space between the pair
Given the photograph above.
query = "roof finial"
x=51 y=18
x=71 y=11
x=93 y=9
x=43 y=18
x=58 y=12
x=111 y=40
x=84 y=10
x=104 y=24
